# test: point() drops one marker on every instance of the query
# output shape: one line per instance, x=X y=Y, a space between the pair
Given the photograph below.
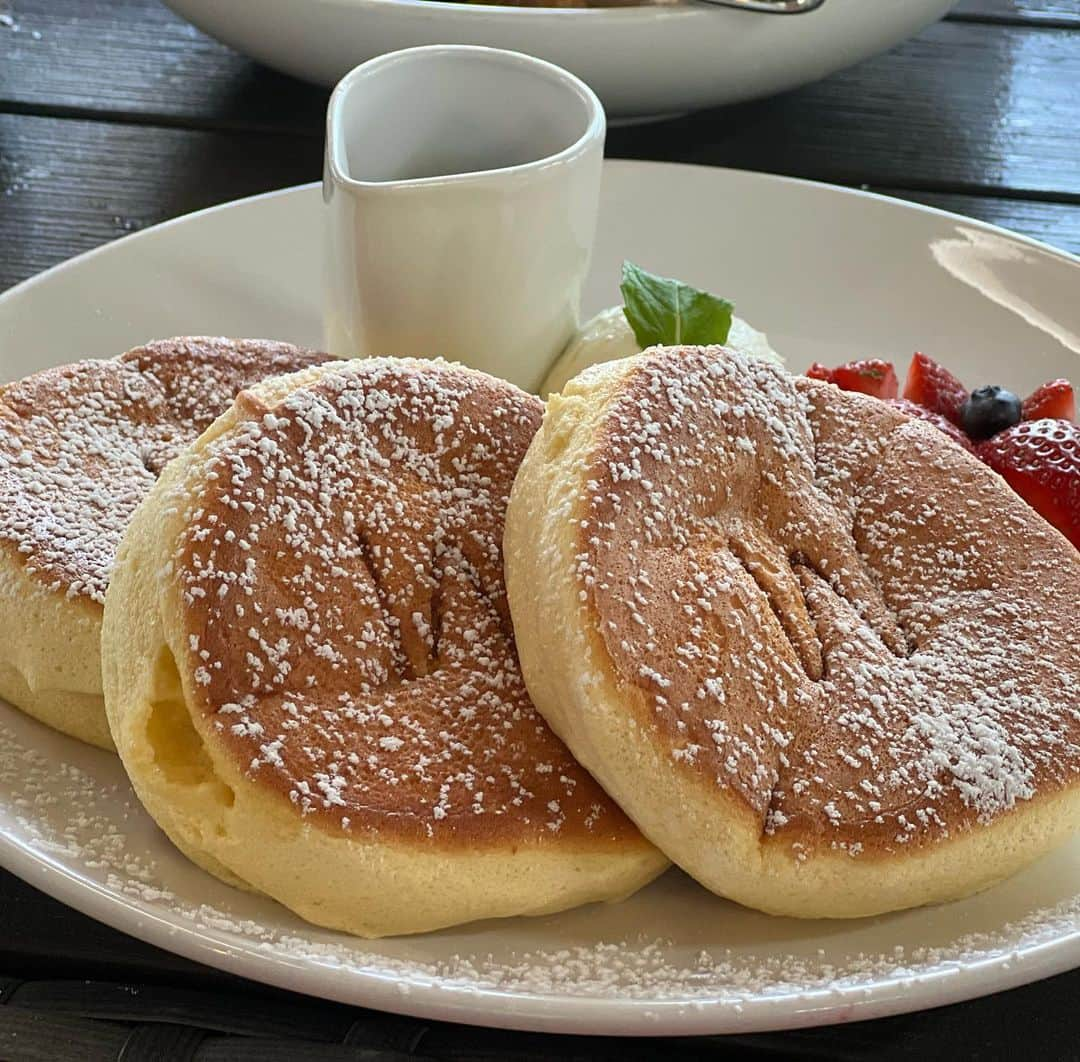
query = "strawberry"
x=817 y=371
x=870 y=376
x=913 y=409
x=935 y=388
x=1055 y=400
x=1040 y=460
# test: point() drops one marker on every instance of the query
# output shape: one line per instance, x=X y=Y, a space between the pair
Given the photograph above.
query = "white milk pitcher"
x=462 y=186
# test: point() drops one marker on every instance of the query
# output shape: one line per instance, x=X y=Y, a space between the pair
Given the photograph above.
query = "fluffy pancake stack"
x=814 y=652
x=827 y=661
x=310 y=669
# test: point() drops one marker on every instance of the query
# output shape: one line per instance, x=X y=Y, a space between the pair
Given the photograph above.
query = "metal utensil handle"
x=771 y=7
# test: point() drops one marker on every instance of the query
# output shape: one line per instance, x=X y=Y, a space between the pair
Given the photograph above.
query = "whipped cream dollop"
x=608 y=336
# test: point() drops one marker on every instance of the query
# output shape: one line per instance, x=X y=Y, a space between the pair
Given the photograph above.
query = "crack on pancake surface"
x=778 y=582
x=949 y=648
x=337 y=541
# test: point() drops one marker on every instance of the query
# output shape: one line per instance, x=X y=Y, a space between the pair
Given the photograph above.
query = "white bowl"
x=646 y=60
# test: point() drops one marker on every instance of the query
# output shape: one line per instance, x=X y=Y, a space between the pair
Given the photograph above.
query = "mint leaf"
x=669 y=312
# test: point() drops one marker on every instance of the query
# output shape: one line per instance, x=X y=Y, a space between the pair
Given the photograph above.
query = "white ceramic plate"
x=830 y=274
x=645 y=60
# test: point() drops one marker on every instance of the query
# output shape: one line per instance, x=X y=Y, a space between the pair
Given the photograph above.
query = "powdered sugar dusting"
x=81 y=446
x=846 y=619
x=341 y=574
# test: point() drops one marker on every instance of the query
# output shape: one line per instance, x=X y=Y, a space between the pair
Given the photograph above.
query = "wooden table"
x=117 y=115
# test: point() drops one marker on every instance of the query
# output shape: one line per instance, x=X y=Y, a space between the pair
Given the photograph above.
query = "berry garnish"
x=989 y=410
x=869 y=376
x=913 y=409
x=935 y=388
x=1040 y=460
x=1055 y=399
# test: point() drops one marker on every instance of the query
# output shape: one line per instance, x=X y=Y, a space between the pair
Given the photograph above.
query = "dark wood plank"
x=67 y=186
x=43 y=1038
x=135 y=58
x=1063 y=13
x=961 y=108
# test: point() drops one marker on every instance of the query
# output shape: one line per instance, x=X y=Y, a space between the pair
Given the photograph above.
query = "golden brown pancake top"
x=349 y=633
x=81 y=445
x=826 y=608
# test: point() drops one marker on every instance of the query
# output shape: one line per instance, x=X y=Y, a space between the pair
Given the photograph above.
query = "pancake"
x=80 y=446
x=310 y=669
x=826 y=660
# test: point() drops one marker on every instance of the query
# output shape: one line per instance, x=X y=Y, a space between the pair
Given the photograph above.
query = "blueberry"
x=989 y=410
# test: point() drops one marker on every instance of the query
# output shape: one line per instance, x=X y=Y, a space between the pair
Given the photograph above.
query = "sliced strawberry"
x=1055 y=400
x=933 y=387
x=913 y=409
x=817 y=371
x=870 y=376
x=1040 y=460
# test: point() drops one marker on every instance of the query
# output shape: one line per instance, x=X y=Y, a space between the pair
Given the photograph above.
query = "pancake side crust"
x=734 y=782
x=50 y=654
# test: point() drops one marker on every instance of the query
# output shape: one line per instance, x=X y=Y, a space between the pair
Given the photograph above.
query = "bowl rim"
x=638 y=11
